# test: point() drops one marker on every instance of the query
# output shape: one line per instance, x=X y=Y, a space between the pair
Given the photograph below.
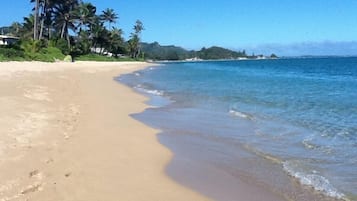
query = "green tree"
x=64 y=17
x=116 y=42
x=134 y=42
x=85 y=15
x=109 y=16
x=15 y=28
x=36 y=18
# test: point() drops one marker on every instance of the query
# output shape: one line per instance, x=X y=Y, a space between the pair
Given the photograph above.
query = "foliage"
x=273 y=56
x=97 y=57
x=155 y=51
x=134 y=42
x=73 y=27
x=219 y=53
x=10 y=53
x=60 y=44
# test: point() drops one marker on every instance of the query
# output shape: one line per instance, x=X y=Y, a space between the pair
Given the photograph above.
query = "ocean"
x=288 y=124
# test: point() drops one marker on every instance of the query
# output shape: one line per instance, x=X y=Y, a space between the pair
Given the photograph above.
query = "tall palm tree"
x=36 y=17
x=64 y=17
x=134 y=42
x=15 y=28
x=26 y=30
x=109 y=16
x=116 y=43
x=85 y=15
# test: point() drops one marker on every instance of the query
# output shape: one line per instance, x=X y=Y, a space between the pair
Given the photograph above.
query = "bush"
x=60 y=44
x=2 y=58
x=49 y=54
x=11 y=53
x=97 y=57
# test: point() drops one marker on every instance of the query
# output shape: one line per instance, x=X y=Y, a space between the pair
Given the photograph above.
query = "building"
x=7 y=40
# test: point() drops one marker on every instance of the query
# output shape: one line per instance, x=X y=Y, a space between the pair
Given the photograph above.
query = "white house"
x=7 y=40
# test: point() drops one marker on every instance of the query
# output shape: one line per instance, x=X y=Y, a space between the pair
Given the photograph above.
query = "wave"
x=312 y=179
x=241 y=114
x=149 y=91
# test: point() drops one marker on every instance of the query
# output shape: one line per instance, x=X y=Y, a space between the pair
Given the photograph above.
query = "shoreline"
x=217 y=170
x=67 y=134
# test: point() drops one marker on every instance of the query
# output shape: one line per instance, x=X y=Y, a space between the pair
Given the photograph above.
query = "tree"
x=36 y=16
x=64 y=17
x=85 y=15
x=134 y=42
x=15 y=28
x=116 y=42
x=109 y=16
x=27 y=27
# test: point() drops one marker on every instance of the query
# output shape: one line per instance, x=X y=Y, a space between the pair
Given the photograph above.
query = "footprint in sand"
x=38 y=93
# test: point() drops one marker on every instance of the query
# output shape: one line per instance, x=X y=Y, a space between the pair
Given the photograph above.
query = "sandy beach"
x=66 y=134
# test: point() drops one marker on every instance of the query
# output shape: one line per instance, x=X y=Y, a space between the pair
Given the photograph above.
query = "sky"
x=288 y=27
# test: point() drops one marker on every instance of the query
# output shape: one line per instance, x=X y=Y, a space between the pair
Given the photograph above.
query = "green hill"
x=155 y=51
x=219 y=53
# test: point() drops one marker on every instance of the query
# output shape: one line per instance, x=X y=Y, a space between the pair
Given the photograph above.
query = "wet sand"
x=66 y=134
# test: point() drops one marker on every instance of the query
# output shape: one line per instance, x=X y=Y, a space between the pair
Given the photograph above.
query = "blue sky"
x=255 y=25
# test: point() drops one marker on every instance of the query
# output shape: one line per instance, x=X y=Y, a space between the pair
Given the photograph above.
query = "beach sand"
x=66 y=134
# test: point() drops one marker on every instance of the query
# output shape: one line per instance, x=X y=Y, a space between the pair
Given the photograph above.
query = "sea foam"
x=149 y=91
x=240 y=114
x=312 y=179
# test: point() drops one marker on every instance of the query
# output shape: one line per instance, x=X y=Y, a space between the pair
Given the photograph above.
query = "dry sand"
x=66 y=134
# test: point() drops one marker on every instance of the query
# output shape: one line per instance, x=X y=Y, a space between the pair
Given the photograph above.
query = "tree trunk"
x=35 y=24
x=41 y=28
x=68 y=41
x=63 y=29
x=43 y=15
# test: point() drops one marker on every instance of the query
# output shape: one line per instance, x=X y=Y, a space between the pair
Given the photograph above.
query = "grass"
x=97 y=57
x=52 y=54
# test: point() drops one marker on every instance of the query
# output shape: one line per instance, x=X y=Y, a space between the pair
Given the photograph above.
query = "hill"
x=219 y=53
x=155 y=51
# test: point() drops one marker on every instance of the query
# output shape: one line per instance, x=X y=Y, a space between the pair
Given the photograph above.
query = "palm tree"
x=85 y=14
x=138 y=27
x=116 y=43
x=26 y=30
x=134 y=42
x=64 y=17
x=36 y=17
x=109 y=16
x=15 y=28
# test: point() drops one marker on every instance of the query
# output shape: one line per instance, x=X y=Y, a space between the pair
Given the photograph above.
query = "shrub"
x=60 y=44
x=49 y=54
x=10 y=53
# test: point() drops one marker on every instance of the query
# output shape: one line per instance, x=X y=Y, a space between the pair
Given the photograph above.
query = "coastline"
x=67 y=134
x=213 y=165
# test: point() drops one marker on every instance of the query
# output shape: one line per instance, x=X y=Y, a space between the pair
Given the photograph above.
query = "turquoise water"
x=299 y=112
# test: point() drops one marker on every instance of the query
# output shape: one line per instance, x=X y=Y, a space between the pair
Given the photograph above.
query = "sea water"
x=298 y=113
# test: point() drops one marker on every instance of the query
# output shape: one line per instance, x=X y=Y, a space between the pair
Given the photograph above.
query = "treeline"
x=155 y=51
x=75 y=28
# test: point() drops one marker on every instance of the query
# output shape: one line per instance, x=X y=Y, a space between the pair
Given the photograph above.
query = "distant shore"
x=67 y=135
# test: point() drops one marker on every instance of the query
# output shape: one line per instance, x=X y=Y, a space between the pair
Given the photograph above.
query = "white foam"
x=312 y=179
x=148 y=91
x=240 y=114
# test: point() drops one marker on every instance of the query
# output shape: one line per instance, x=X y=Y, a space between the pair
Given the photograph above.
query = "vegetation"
x=219 y=53
x=57 y=28
x=155 y=51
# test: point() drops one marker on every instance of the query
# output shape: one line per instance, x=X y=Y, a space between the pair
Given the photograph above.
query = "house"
x=7 y=40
